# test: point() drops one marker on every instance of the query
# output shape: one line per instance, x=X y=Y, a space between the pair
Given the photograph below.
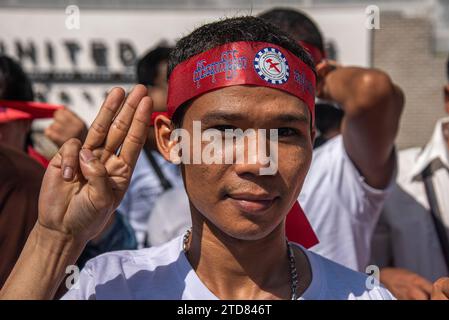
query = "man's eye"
x=287 y=132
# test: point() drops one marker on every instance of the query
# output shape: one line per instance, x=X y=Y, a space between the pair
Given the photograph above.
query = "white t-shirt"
x=342 y=209
x=164 y=273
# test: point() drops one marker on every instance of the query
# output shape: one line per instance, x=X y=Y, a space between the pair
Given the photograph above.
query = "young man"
x=411 y=242
x=237 y=248
x=351 y=174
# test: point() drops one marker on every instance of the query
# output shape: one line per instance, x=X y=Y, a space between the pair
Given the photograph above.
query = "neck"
x=240 y=269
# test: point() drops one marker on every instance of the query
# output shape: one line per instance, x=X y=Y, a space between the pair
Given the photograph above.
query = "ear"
x=163 y=128
x=446 y=98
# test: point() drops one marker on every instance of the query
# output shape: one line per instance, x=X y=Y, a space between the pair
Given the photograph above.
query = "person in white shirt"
x=354 y=171
x=237 y=247
x=411 y=240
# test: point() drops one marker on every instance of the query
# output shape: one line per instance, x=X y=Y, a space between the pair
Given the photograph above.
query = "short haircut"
x=147 y=66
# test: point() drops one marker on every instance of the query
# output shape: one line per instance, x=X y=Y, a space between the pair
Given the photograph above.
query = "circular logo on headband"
x=271 y=66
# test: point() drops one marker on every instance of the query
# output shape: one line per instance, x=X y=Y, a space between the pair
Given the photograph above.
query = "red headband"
x=17 y=110
x=316 y=54
x=241 y=63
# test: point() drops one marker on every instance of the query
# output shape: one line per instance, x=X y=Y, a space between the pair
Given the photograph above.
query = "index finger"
x=100 y=127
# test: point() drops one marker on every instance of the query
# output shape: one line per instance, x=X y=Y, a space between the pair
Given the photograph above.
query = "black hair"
x=215 y=34
x=17 y=84
x=147 y=66
x=297 y=24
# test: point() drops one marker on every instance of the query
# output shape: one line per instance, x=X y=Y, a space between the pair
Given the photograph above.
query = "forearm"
x=41 y=266
x=373 y=105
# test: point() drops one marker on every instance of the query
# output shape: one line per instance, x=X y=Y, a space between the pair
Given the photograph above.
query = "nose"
x=251 y=155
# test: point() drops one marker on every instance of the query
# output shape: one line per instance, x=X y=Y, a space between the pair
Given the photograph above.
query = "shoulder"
x=333 y=281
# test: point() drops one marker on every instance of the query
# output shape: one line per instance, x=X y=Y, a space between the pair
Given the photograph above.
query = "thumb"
x=99 y=189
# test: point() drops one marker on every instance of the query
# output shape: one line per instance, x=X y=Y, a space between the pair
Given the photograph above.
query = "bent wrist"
x=55 y=242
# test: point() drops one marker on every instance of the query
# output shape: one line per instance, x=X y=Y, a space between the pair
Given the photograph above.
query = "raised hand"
x=85 y=183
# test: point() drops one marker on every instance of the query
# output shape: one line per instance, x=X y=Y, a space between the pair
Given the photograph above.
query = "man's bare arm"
x=41 y=266
x=373 y=105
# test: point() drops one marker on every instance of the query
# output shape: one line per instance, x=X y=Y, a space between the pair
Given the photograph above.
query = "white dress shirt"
x=342 y=208
x=405 y=236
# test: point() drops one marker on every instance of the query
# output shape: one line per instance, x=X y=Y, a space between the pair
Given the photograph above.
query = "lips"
x=252 y=203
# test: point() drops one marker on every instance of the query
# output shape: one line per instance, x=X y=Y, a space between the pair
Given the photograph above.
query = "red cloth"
x=155 y=114
x=38 y=157
x=298 y=228
x=18 y=110
x=316 y=54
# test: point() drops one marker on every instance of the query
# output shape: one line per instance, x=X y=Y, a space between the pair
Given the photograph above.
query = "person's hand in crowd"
x=83 y=185
x=372 y=106
x=440 y=290
x=405 y=285
x=66 y=125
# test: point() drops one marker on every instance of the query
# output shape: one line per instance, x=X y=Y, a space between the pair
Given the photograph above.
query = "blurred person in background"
x=20 y=182
x=410 y=243
x=153 y=175
x=352 y=173
x=17 y=111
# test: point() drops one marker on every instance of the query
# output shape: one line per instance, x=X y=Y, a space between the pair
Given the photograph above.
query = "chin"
x=243 y=228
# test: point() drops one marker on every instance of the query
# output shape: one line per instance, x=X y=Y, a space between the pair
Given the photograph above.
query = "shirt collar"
x=436 y=148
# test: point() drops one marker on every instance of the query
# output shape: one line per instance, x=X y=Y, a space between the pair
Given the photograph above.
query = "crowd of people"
x=120 y=201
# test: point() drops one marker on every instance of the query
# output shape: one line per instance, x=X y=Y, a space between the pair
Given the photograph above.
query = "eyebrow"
x=287 y=117
x=222 y=116
x=226 y=116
